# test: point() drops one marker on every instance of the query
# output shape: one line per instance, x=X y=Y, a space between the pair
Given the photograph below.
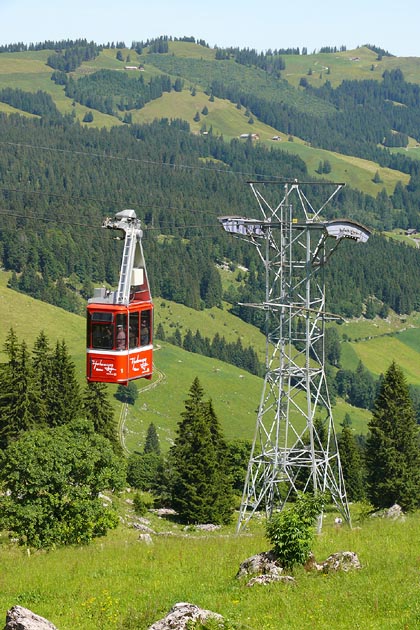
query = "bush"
x=142 y=502
x=291 y=531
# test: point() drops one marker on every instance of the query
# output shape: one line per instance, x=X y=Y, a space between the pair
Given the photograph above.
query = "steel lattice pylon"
x=295 y=445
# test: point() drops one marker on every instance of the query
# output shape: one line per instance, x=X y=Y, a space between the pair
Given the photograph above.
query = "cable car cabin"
x=119 y=342
x=120 y=323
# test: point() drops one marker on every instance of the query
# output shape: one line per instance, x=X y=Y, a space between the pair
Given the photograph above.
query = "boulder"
x=394 y=512
x=206 y=527
x=19 y=618
x=260 y=564
x=268 y=578
x=143 y=528
x=181 y=615
x=340 y=561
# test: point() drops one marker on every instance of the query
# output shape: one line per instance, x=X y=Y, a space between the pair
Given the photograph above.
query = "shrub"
x=142 y=502
x=291 y=531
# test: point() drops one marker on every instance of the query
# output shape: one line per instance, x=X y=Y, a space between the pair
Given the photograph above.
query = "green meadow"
x=120 y=582
x=28 y=71
x=359 y=64
x=235 y=393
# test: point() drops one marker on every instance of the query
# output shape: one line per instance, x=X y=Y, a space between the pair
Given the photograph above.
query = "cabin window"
x=101 y=331
x=133 y=330
x=145 y=328
x=121 y=332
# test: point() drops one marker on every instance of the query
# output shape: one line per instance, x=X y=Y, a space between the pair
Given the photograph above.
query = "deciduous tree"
x=51 y=479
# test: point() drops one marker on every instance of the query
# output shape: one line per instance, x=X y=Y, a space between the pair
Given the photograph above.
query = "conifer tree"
x=98 y=410
x=201 y=485
x=392 y=450
x=65 y=402
x=20 y=400
x=351 y=462
x=223 y=496
x=42 y=371
x=151 y=443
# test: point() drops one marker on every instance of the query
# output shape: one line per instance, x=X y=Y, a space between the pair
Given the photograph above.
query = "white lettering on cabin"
x=139 y=364
x=99 y=365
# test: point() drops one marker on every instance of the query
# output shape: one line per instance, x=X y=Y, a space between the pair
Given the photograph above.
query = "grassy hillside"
x=225 y=119
x=379 y=342
x=351 y=65
x=196 y=65
x=121 y=583
x=235 y=393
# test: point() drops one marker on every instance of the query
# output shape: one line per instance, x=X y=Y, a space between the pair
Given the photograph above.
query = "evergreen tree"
x=65 y=402
x=127 y=393
x=21 y=407
x=42 y=371
x=351 y=462
x=160 y=332
x=97 y=409
x=201 y=488
x=143 y=471
x=362 y=389
x=392 y=450
x=151 y=443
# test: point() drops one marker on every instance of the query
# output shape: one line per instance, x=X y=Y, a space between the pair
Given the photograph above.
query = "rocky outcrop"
x=340 y=561
x=394 y=512
x=269 y=578
x=181 y=615
x=261 y=564
x=19 y=618
x=265 y=569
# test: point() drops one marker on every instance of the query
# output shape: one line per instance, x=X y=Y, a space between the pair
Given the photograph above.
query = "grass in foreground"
x=119 y=582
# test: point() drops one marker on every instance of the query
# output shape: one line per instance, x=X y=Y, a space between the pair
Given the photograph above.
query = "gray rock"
x=19 y=618
x=340 y=561
x=269 y=578
x=143 y=528
x=394 y=512
x=260 y=564
x=181 y=615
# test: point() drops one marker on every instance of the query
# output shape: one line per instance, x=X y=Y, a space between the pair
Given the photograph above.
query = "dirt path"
x=161 y=376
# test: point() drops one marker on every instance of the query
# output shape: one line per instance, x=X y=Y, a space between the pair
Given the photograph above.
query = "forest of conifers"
x=59 y=179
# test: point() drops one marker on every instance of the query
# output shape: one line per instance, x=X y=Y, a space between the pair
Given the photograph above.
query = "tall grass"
x=121 y=583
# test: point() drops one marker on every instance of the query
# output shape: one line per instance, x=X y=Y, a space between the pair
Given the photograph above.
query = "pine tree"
x=20 y=400
x=42 y=371
x=223 y=495
x=65 y=402
x=351 y=462
x=98 y=410
x=392 y=450
x=151 y=444
x=201 y=484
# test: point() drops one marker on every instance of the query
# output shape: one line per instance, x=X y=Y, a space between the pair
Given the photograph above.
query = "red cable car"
x=120 y=323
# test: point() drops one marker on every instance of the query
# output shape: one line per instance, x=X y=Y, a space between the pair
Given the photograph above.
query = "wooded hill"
x=88 y=130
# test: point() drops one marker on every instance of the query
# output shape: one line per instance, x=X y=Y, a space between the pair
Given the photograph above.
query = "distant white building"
x=252 y=136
